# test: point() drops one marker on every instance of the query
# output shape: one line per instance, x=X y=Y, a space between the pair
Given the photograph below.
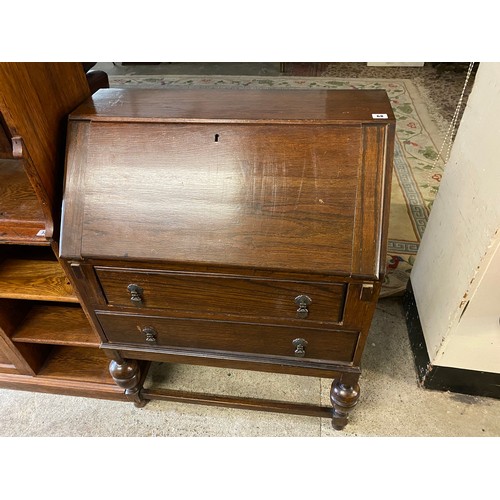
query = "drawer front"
x=304 y=343
x=224 y=295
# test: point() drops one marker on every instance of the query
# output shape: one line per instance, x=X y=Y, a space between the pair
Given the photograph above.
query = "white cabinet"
x=456 y=276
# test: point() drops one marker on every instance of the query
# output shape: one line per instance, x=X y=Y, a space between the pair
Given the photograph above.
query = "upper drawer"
x=223 y=295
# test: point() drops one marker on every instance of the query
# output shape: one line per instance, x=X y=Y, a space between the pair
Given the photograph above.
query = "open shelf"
x=80 y=364
x=21 y=217
x=74 y=371
x=56 y=324
x=46 y=341
x=34 y=279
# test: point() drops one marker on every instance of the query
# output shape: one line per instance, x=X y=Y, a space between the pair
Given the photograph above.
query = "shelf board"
x=21 y=217
x=61 y=386
x=56 y=324
x=80 y=364
x=74 y=371
x=34 y=279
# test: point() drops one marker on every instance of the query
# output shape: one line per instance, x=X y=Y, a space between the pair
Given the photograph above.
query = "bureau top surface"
x=260 y=179
x=225 y=105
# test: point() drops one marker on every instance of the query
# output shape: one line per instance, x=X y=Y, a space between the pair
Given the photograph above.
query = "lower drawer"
x=307 y=343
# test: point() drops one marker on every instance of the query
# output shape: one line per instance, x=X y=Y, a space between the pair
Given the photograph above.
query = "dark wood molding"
x=443 y=378
x=240 y=403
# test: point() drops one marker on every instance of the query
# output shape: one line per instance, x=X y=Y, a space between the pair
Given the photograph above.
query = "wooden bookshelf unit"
x=46 y=341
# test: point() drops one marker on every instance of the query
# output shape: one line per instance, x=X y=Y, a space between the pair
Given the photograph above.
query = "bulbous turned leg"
x=344 y=398
x=127 y=375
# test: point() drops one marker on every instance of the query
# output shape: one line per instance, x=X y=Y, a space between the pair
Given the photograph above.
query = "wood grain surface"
x=260 y=197
x=221 y=295
x=21 y=215
x=235 y=106
x=269 y=340
x=81 y=364
x=56 y=324
x=35 y=100
x=34 y=280
x=220 y=208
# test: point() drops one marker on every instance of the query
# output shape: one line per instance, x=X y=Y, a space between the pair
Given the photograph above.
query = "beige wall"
x=460 y=239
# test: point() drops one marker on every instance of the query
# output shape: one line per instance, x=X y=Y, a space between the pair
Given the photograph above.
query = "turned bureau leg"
x=126 y=374
x=344 y=395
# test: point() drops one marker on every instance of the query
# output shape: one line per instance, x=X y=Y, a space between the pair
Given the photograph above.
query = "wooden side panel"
x=386 y=186
x=7 y=357
x=35 y=100
x=26 y=358
x=360 y=308
x=367 y=241
x=21 y=217
x=74 y=190
x=4 y=358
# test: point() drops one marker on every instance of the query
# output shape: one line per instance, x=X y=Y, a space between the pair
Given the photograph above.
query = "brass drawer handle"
x=150 y=334
x=303 y=301
x=135 y=293
x=300 y=347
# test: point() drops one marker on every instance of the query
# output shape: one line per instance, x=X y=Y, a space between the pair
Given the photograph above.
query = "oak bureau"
x=243 y=229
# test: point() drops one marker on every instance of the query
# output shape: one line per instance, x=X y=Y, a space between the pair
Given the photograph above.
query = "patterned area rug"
x=416 y=172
